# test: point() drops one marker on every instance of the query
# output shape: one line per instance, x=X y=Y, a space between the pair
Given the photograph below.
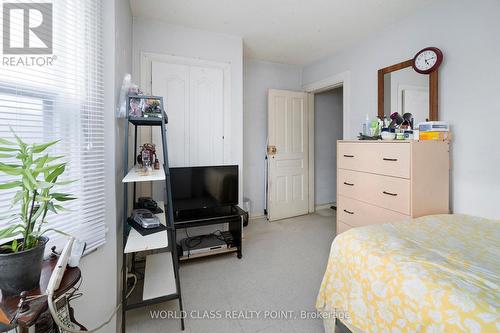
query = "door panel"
x=288 y=168
x=172 y=82
x=194 y=100
x=207 y=116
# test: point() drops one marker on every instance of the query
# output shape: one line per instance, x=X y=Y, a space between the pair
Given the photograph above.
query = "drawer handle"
x=348 y=155
x=348 y=212
x=390 y=159
x=389 y=193
x=349 y=184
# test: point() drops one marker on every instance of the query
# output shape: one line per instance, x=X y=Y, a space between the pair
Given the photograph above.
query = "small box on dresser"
x=380 y=182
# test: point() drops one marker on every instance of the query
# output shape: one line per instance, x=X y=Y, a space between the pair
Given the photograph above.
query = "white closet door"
x=194 y=101
x=172 y=82
x=206 y=111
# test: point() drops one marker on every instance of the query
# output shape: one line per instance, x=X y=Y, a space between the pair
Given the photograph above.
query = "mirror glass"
x=406 y=91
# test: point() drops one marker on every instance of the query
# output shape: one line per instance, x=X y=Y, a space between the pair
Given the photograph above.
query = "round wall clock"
x=427 y=60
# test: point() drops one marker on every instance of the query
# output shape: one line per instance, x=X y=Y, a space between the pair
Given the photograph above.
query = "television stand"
x=231 y=215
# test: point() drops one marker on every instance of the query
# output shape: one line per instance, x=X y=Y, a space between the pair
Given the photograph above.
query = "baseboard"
x=255 y=217
x=325 y=206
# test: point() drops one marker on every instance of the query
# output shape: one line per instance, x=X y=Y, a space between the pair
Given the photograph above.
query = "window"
x=63 y=101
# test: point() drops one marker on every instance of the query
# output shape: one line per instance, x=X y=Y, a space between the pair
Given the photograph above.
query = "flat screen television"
x=204 y=187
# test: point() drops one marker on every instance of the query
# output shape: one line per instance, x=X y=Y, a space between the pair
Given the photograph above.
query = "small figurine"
x=147 y=158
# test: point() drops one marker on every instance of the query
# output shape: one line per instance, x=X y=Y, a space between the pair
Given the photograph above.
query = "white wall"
x=123 y=65
x=259 y=76
x=158 y=37
x=99 y=269
x=468 y=34
x=327 y=130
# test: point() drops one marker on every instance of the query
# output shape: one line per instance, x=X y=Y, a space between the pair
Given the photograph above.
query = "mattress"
x=437 y=273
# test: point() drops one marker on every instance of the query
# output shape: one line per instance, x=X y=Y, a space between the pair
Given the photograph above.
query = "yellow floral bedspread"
x=436 y=273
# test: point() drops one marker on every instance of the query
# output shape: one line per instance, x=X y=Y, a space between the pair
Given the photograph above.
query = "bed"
x=437 y=273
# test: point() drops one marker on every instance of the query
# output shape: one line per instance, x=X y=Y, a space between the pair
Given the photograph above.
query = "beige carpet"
x=281 y=270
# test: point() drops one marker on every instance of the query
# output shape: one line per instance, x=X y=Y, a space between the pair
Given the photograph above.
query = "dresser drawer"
x=392 y=159
x=383 y=191
x=358 y=214
x=341 y=227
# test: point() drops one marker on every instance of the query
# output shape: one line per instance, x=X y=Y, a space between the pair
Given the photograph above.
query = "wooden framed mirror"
x=401 y=89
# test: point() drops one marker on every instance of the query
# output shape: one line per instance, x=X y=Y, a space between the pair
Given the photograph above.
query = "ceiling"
x=286 y=31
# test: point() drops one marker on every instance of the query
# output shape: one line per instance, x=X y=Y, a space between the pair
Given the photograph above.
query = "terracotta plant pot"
x=21 y=271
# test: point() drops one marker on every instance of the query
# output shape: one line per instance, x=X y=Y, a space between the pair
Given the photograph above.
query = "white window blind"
x=63 y=101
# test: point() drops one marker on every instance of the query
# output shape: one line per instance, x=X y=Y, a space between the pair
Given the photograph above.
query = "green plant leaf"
x=61 y=208
x=52 y=177
x=6 y=247
x=40 y=162
x=11 y=231
x=41 y=198
x=49 y=167
x=28 y=184
x=6 y=156
x=55 y=230
x=20 y=142
x=30 y=177
x=41 y=147
x=8 y=149
x=6 y=232
x=6 y=142
x=36 y=215
x=46 y=159
x=62 y=196
x=10 y=185
x=51 y=207
x=11 y=169
x=45 y=185
x=66 y=182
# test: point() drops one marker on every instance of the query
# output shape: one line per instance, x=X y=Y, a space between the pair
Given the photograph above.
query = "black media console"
x=230 y=215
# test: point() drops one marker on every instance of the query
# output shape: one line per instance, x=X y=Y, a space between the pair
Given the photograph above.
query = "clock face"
x=427 y=60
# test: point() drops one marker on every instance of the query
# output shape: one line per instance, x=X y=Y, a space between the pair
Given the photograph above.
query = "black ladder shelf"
x=161 y=272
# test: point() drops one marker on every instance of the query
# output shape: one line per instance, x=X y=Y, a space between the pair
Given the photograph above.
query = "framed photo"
x=145 y=107
x=152 y=108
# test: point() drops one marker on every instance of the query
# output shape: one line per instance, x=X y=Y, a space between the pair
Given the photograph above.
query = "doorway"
x=328 y=128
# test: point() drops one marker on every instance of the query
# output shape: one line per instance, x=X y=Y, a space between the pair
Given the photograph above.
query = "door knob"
x=271 y=150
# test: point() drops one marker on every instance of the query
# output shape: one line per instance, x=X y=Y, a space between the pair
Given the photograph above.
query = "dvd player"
x=202 y=244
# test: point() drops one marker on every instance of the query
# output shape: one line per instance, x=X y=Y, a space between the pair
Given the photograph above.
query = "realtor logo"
x=27 y=28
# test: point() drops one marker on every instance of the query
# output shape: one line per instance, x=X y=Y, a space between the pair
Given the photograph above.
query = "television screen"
x=204 y=187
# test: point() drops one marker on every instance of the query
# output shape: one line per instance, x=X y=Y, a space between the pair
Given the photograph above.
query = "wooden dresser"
x=380 y=182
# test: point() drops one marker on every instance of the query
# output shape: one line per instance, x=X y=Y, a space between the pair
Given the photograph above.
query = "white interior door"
x=288 y=179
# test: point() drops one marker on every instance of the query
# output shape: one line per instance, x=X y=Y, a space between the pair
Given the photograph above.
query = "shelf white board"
x=136 y=242
x=159 y=278
x=138 y=175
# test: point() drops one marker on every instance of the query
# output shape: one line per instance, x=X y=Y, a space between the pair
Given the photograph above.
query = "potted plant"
x=35 y=176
